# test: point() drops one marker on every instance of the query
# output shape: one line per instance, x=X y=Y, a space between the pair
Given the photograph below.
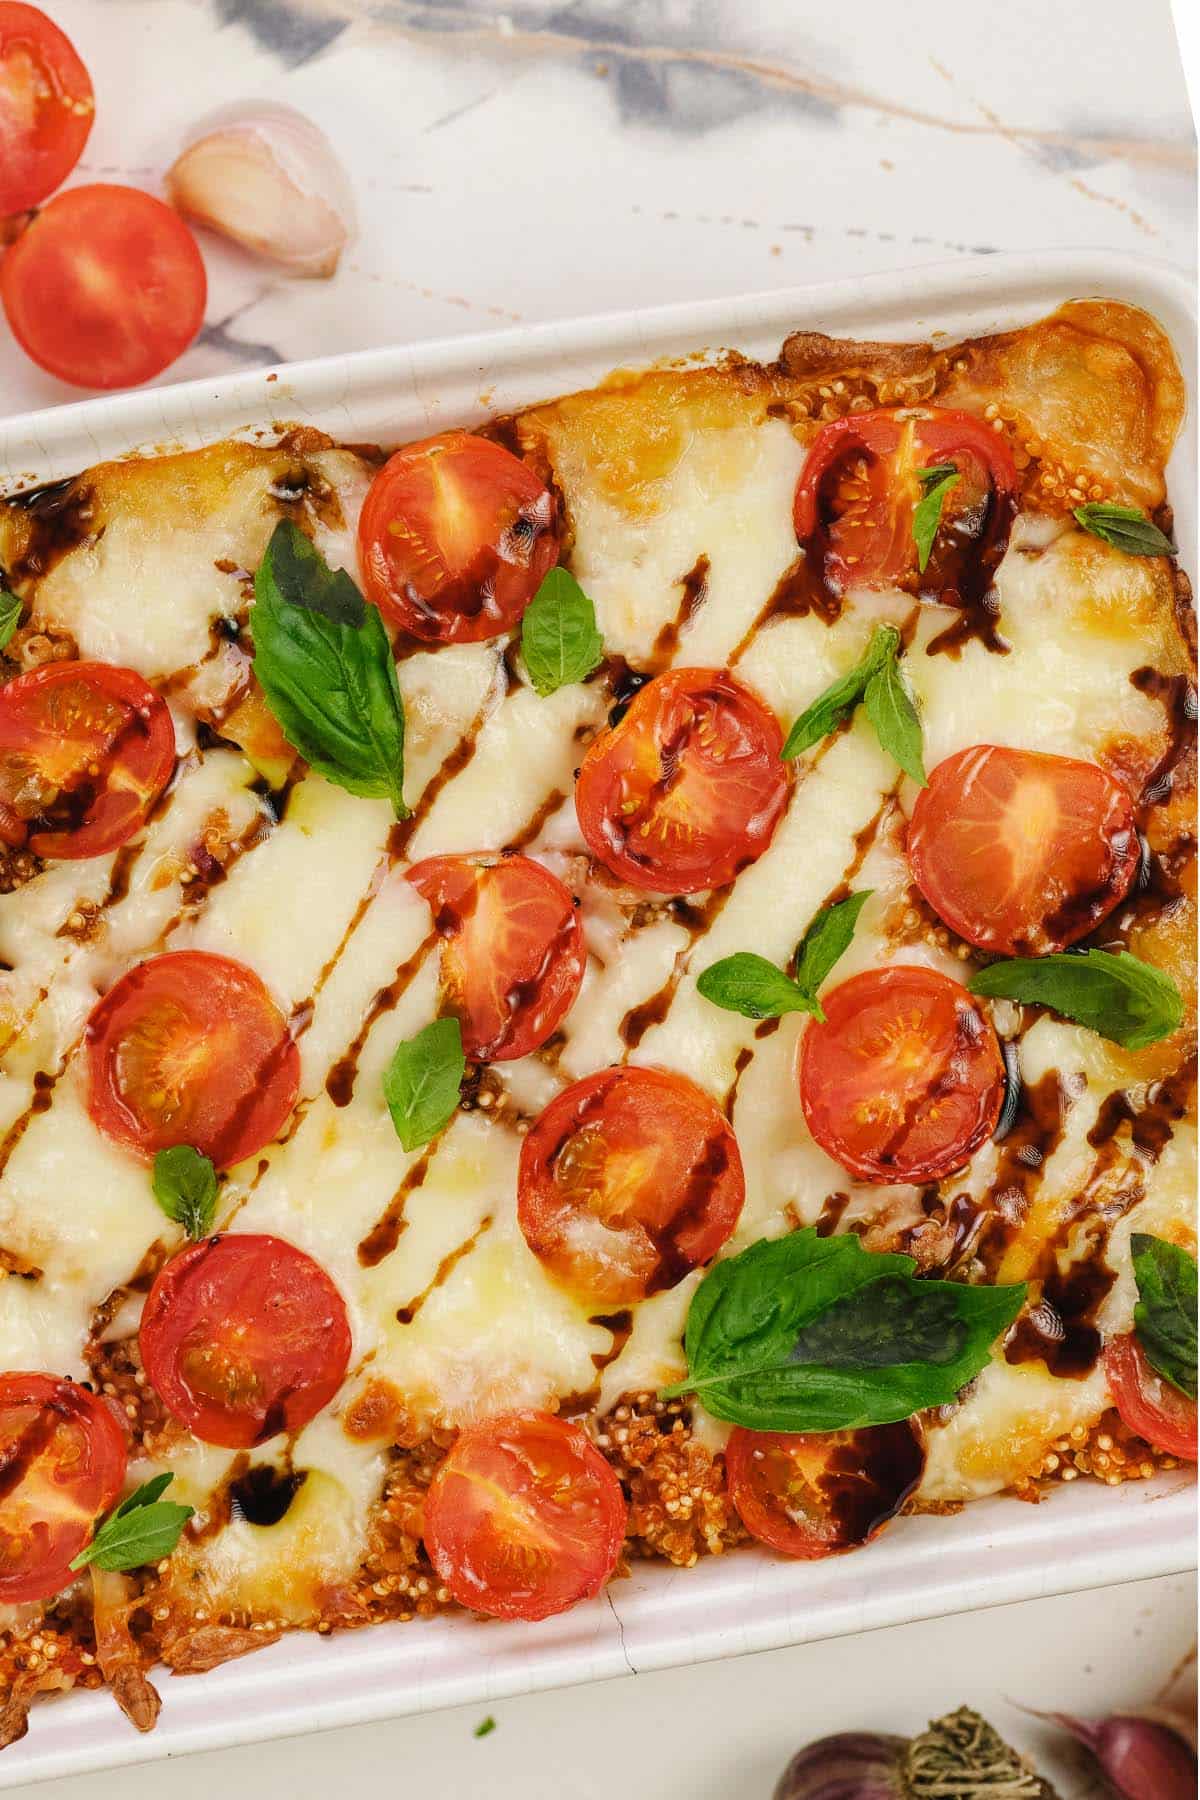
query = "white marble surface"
x=553 y=157
x=723 y=1731
x=543 y=160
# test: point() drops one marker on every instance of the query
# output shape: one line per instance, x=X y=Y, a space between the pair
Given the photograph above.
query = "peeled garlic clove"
x=267 y=177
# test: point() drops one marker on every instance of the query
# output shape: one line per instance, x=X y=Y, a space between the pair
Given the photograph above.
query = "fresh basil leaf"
x=326 y=667
x=10 y=614
x=185 y=1186
x=927 y=513
x=422 y=1081
x=749 y=984
x=936 y=472
x=1165 y=1315
x=805 y=1333
x=895 y=719
x=146 y=1495
x=1124 y=999
x=825 y=942
x=143 y=1529
x=559 y=639
x=1125 y=528
x=835 y=705
x=879 y=1325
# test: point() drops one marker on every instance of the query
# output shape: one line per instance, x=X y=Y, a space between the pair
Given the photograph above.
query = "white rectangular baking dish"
x=996 y=1551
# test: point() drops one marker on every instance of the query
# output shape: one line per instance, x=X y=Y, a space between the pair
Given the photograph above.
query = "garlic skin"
x=1144 y=1756
x=267 y=177
x=853 y=1765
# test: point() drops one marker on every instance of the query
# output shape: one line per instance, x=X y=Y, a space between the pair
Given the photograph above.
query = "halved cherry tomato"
x=455 y=537
x=904 y=1080
x=513 y=956
x=190 y=1048
x=105 y=287
x=243 y=1337
x=860 y=486
x=814 y=1494
x=1150 y=1406
x=1020 y=852
x=85 y=751
x=524 y=1518
x=686 y=791
x=46 y=106
x=627 y=1180
x=62 y=1464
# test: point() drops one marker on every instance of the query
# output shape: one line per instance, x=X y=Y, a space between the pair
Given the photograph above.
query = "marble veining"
x=542 y=160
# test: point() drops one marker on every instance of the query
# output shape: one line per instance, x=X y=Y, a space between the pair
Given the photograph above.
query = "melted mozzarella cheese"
x=446 y=1302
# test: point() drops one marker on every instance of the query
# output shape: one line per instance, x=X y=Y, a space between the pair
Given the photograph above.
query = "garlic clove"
x=1144 y=1756
x=853 y=1765
x=267 y=177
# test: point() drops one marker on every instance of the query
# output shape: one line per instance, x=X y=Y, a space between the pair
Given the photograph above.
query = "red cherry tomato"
x=105 y=287
x=627 y=1180
x=513 y=956
x=190 y=1048
x=85 y=751
x=860 y=486
x=62 y=1464
x=1149 y=1406
x=46 y=106
x=1020 y=852
x=904 y=1080
x=524 y=1518
x=686 y=791
x=455 y=537
x=814 y=1494
x=243 y=1337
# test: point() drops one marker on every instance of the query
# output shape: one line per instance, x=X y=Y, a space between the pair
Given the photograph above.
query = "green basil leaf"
x=1124 y=999
x=326 y=667
x=151 y=1490
x=805 y=1333
x=1125 y=528
x=835 y=705
x=143 y=1529
x=825 y=942
x=749 y=984
x=559 y=639
x=1165 y=1315
x=10 y=614
x=927 y=513
x=936 y=472
x=895 y=719
x=422 y=1081
x=185 y=1186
